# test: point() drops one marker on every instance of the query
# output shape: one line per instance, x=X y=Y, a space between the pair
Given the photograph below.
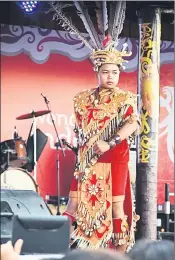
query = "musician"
x=100 y=197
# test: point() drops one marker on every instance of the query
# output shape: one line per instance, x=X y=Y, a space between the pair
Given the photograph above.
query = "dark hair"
x=100 y=254
x=152 y=250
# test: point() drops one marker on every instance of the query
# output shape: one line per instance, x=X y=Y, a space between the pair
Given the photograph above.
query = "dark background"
x=10 y=13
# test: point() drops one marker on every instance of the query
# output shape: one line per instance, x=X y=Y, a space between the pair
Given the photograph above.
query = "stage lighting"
x=29 y=7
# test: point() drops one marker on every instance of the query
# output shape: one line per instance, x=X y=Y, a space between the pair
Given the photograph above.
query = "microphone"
x=73 y=148
x=45 y=98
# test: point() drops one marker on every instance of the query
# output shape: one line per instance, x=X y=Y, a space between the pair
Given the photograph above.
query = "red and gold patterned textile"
x=101 y=181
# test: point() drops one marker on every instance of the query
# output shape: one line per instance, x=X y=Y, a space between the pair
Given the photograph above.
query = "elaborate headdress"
x=103 y=45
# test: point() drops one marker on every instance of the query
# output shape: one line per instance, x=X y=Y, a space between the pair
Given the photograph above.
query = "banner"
x=35 y=61
x=149 y=87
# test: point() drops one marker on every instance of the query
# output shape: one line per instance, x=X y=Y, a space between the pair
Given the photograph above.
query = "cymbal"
x=33 y=114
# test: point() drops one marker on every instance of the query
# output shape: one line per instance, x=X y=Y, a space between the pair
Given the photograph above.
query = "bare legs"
x=117 y=209
x=72 y=205
x=71 y=209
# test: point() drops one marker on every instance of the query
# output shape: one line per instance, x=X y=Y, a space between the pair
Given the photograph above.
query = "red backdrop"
x=59 y=78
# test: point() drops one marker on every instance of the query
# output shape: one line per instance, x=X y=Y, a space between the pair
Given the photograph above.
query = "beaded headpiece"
x=109 y=55
x=103 y=44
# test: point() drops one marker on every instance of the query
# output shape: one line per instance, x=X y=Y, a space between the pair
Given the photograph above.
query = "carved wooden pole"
x=147 y=157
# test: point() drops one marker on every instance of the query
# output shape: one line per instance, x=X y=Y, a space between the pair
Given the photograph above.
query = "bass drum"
x=17 y=179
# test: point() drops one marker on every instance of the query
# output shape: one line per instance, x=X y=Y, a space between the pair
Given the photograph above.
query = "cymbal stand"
x=7 y=151
x=7 y=166
x=57 y=145
x=34 y=147
x=34 y=126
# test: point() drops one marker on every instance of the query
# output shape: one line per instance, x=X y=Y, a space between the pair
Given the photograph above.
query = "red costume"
x=100 y=181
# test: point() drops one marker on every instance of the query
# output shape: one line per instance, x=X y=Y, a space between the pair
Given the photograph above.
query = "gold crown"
x=109 y=55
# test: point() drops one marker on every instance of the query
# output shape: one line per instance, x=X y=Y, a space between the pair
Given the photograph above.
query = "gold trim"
x=118 y=198
x=123 y=237
x=111 y=55
x=94 y=218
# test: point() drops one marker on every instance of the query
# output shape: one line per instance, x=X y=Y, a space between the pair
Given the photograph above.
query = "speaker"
x=19 y=202
x=42 y=235
x=166 y=236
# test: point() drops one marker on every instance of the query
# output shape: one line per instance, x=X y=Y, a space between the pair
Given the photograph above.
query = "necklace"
x=102 y=96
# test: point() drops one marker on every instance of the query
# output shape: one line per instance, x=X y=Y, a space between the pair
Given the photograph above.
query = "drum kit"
x=14 y=158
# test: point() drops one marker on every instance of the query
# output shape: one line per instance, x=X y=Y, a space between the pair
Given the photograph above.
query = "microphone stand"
x=57 y=145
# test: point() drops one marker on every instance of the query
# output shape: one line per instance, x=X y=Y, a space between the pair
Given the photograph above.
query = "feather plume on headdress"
x=109 y=54
x=66 y=23
x=103 y=51
x=102 y=17
x=117 y=17
x=82 y=11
